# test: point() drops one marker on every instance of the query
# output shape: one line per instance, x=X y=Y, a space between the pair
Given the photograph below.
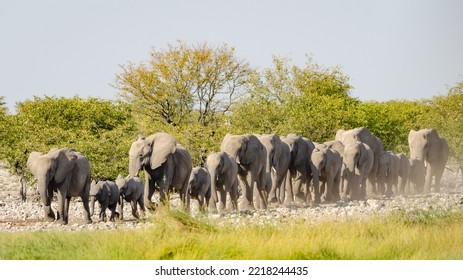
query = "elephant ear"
x=64 y=160
x=32 y=162
x=162 y=145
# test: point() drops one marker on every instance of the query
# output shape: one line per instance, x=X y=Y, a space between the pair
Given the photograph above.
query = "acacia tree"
x=184 y=84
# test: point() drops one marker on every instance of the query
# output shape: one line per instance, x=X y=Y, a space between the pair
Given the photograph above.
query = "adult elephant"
x=251 y=157
x=362 y=134
x=223 y=170
x=327 y=163
x=166 y=164
x=278 y=158
x=388 y=173
x=432 y=150
x=357 y=164
x=66 y=172
x=299 y=170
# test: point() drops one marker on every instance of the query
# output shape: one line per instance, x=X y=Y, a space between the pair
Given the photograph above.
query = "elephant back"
x=182 y=157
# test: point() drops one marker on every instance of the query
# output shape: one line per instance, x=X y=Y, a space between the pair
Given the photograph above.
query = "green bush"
x=100 y=129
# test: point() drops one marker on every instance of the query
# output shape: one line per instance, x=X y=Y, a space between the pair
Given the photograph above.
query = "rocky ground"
x=17 y=216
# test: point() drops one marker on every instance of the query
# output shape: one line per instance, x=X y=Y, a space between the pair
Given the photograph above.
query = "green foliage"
x=311 y=100
x=391 y=121
x=446 y=116
x=100 y=129
x=183 y=84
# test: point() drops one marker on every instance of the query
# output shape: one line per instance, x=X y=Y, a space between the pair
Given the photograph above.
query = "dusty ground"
x=16 y=215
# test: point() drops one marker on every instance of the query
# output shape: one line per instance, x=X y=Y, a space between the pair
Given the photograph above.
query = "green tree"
x=312 y=100
x=183 y=79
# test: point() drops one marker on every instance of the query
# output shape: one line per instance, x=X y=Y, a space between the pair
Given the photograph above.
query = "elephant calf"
x=224 y=179
x=199 y=186
x=132 y=190
x=107 y=194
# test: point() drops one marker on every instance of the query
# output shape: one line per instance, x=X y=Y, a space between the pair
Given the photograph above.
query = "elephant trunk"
x=214 y=179
x=134 y=167
x=42 y=185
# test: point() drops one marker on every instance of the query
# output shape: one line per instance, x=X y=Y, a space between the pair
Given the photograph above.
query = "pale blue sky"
x=389 y=49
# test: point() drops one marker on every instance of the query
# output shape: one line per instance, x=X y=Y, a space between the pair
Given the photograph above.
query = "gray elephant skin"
x=416 y=176
x=251 y=157
x=107 y=195
x=66 y=172
x=357 y=164
x=278 y=159
x=199 y=187
x=300 y=170
x=223 y=171
x=432 y=151
x=166 y=164
x=326 y=163
x=364 y=135
x=388 y=173
x=404 y=174
x=131 y=189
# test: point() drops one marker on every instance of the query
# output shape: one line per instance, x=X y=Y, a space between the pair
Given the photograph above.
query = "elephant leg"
x=133 y=204
x=428 y=178
x=201 y=203
x=102 y=216
x=223 y=201
x=248 y=192
x=121 y=208
x=113 y=213
x=234 y=197
x=61 y=216
x=329 y=189
x=149 y=190
x=389 y=192
x=297 y=187
x=206 y=205
x=371 y=189
x=335 y=189
x=85 y=203
x=274 y=192
x=437 y=178
x=47 y=198
x=289 y=187
x=280 y=190
x=316 y=188
x=141 y=202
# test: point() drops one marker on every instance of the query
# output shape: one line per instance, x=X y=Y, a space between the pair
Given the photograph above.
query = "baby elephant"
x=199 y=186
x=107 y=194
x=131 y=189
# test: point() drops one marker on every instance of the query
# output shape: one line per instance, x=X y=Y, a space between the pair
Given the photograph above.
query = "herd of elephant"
x=266 y=168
